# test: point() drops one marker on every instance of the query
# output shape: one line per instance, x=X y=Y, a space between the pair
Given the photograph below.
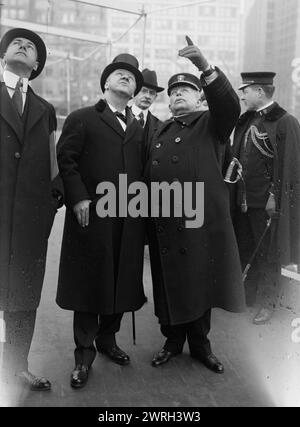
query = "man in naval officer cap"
x=266 y=142
x=194 y=269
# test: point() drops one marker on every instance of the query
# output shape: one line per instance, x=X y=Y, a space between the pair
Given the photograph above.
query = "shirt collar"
x=136 y=111
x=11 y=80
x=265 y=106
x=113 y=109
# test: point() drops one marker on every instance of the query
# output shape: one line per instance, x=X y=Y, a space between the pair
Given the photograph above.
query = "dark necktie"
x=141 y=119
x=121 y=116
x=17 y=97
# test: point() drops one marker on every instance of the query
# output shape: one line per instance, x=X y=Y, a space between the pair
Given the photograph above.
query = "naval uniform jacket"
x=195 y=269
x=283 y=131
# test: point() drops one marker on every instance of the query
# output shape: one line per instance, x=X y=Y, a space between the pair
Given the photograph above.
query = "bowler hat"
x=257 y=78
x=14 y=33
x=124 y=61
x=184 y=79
x=150 y=80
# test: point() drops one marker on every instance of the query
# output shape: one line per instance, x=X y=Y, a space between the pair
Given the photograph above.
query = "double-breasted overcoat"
x=194 y=269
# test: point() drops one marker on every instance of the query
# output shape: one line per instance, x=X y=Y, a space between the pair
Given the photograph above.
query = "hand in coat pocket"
x=82 y=212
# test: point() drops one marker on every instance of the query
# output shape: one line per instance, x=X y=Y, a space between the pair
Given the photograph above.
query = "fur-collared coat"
x=284 y=134
x=101 y=266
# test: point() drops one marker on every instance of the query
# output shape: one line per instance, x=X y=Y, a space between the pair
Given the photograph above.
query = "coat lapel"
x=35 y=110
x=109 y=118
x=132 y=125
x=10 y=114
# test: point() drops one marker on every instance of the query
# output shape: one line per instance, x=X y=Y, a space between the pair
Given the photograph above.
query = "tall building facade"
x=272 y=42
x=215 y=26
x=68 y=80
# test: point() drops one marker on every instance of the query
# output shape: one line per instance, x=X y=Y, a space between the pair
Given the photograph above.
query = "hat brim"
x=10 y=35
x=183 y=83
x=244 y=86
x=122 y=66
x=156 y=88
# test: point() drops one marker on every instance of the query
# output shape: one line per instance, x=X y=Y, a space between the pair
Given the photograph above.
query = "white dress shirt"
x=136 y=111
x=11 y=79
x=113 y=109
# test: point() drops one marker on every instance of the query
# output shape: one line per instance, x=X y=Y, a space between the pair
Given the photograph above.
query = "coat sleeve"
x=224 y=105
x=288 y=145
x=57 y=189
x=69 y=148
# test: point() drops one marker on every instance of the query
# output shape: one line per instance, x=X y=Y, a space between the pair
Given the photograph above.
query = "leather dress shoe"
x=163 y=356
x=262 y=316
x=33 y=382
x=115 y=354
x=210 y=361
x=79 y=376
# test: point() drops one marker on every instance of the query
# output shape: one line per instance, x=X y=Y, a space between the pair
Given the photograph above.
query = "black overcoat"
x=27 y=208
x=101 y=265
x=196 y=269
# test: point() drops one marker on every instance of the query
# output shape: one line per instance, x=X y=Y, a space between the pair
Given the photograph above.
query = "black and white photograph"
x=149 y=206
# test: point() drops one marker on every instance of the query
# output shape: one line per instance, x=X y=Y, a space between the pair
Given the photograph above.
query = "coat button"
x=164 y=251
x=158 y=145
x=17 y=155
x=177 y=140
x=175 y=159
x=183 y=251
x=155 y=163
x=180 y=228
x=160 y=229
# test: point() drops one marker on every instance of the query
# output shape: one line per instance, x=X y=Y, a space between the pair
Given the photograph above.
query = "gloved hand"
x=194 y=54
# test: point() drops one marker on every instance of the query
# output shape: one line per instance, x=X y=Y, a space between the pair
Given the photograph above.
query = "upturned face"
x=21 y=53
x=184 y=99
x=122 y=82
x=145 y=98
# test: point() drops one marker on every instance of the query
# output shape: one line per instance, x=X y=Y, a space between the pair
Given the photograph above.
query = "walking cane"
x=248 y=266
x=133 y=327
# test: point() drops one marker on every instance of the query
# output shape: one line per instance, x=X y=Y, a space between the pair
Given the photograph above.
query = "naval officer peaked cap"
x=257 y=78
x=184 y=79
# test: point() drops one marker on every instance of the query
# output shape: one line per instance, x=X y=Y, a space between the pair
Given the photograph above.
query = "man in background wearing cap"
x=29 y=194
x=194 y=269
x=143 y=101
x=101 y=263
x=267 y=144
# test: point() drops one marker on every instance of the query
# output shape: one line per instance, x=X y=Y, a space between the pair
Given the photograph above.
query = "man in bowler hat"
x=266 y=142
x=29 y=196
x=101 y=263
x=143 y=101
x=194 y=269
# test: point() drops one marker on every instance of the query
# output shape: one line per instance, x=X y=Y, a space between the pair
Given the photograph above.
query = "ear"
x=3 y=59
x=36 y=66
